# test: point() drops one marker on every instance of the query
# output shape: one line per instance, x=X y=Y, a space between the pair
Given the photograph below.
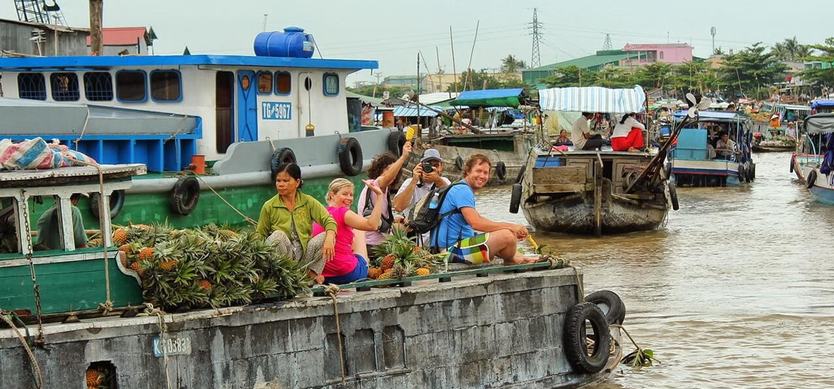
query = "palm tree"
x=511 y=64
x=790 y=50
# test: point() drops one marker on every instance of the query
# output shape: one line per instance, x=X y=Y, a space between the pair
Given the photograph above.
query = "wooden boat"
x=812 y=161
x=72 y=280
x=594 y=192
x=693 y=161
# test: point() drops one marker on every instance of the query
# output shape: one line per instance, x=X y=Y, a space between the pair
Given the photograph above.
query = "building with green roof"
x=591 y=62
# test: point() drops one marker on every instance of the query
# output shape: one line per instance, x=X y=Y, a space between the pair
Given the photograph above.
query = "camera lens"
x=427 y=168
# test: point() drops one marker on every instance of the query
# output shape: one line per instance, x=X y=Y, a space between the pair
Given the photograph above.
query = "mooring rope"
x=332 y=290
x=36 y=369
x=243 y=215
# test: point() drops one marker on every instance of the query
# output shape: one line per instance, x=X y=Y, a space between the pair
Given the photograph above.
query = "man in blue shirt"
x=457 y=232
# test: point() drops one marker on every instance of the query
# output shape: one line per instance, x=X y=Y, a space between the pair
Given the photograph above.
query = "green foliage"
x=750 y=70
x=640 y=358
x=476 y=80
x=790 y=50
x=511 y=64
x=824 y=53
x=393 y=91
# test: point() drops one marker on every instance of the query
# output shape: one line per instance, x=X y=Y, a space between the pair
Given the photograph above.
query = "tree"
x=790 y=50
x=511 y=64
x=825 y=55
x=750 y=71
x=570 y=76
x=656 y=75
x=615 y=77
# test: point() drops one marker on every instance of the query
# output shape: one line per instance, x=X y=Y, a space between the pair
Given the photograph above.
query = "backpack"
x=385 y=221
x=427 y=214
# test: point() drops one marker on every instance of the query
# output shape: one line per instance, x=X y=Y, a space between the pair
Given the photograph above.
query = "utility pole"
x=536 y=32
x=378 y=75
x=96 y=8
x=712 y=32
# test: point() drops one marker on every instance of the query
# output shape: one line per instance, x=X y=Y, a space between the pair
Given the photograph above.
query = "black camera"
x=427 y=167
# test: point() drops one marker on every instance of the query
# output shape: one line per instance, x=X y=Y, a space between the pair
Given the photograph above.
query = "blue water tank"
x=293 y=42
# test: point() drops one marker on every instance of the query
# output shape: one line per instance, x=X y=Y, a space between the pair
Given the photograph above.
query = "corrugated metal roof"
x=593 y=99
x=411 y=111
x=121 y=36
x=590 y=61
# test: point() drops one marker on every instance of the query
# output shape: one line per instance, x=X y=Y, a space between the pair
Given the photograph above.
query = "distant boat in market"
x=814 y=160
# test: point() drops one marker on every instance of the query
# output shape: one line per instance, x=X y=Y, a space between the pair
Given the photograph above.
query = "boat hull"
x=710 y=173
x=576 y=216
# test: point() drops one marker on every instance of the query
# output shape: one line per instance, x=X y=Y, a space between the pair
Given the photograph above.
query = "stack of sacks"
x=37 y=154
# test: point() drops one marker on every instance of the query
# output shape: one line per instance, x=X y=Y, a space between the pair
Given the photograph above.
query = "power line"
x=535 y=31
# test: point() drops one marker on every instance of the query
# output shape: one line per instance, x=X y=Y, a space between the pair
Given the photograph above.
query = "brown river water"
x=736 y=291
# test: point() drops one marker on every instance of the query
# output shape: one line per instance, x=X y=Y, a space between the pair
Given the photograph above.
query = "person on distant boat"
x=350 y=254
x=563 y=139
x=49 y=232
x=774 y=121
x=581 y=134
x=628 y=134
x=456 y=233
x=725 y=148
x=286 y=221
x=385 y=171
x=425 y=177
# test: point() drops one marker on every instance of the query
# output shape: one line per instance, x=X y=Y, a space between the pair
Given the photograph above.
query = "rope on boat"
x=332 y=290
x=640 y=353
x=151 y=310
x=243 y=215
x=36 y=369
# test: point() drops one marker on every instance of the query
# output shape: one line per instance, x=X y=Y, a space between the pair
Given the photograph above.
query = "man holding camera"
x=427 y=175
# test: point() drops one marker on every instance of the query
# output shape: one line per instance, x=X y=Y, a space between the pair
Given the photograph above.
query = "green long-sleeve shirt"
x=276 y=216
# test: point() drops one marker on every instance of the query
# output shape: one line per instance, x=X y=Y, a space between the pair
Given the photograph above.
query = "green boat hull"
x=68 y=282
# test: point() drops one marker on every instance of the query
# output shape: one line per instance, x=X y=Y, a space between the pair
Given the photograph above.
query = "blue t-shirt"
x=454 y=227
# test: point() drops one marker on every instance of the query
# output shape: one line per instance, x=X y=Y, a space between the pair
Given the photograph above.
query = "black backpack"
x=426 y=214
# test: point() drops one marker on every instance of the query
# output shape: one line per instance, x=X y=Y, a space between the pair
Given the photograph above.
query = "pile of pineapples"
x=208 y=266
x=399 y=257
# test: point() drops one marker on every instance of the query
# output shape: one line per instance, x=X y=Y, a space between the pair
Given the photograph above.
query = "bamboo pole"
x=96 y=9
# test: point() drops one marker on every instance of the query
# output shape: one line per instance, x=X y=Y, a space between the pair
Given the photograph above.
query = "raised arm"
x=390 y=174
x=354 y=220
x=403 y=198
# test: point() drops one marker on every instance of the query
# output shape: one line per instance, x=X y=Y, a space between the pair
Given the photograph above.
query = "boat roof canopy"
x=411 y=111
x=712 y=116
x=821 y=123
x=106 y=62
x=593 y=99
x=490 y=98
x=827 y=103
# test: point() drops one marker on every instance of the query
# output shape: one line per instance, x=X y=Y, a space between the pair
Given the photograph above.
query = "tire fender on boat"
x=515 y=198
x=395 y=142
x=673 y=195
x=576 y=350
x=350 y=156
x=812 y=177
x=520 y=176
x=184 y=195
x=117 y=202
x=501 y=170
x=793 y=162
x=742 y=173
x=279 y=156
x=611 y=305
x=751 y=172
x=459 y=163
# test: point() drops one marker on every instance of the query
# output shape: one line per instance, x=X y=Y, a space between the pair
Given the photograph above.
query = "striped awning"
x=593 y=99
x=411 y=111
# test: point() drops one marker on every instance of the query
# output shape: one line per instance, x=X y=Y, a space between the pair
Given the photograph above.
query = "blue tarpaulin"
x=490 y=98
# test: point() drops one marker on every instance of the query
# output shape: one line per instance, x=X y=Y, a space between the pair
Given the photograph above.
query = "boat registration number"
x=271 y=110
x=171 y=346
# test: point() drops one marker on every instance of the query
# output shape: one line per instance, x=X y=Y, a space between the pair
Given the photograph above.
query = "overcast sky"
x=394 y=31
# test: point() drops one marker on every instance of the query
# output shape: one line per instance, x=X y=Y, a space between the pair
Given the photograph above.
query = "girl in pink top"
x=348 y=263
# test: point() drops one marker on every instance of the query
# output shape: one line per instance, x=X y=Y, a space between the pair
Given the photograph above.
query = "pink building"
x=649 y=53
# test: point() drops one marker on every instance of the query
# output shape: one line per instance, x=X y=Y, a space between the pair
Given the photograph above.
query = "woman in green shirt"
x=286 y=221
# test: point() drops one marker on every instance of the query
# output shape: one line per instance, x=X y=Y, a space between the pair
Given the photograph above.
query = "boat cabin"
x=71 y=278
x=276 y=94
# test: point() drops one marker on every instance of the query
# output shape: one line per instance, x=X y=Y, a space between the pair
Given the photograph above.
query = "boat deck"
x=67 y=175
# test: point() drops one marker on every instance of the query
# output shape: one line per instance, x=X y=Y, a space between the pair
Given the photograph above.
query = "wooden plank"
x=558 y=188
x=560 y=175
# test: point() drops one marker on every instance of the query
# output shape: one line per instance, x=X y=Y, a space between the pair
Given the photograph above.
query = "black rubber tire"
x=667 y=170
x=793 y=161
x=673 y=196
x=501 y=170
x=185 y=195
x=610 y=304
x=515 y=199
x=520 y=176
x=576 y=350
x=395 y=142
x=751 y=172
x=742 y=173
x=811 y=179
x=350 y=156
x=459 y=163
x=117 y=202
x=282 y=155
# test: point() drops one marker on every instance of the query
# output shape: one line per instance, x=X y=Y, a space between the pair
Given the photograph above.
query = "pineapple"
x=422 y=271
x=135 y=266
x=168 y=264
x=94 y=378
x=145 y=254
x=374 y=272
x=204 y=284
x=95 y=242
x=120 y=236
x=386 y=275
x=388 y=261
x=127 y=248
x=226 y=233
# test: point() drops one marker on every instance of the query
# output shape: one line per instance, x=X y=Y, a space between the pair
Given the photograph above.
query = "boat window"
x=130 y=86
x=64 y=86
x=98 y=86
x=31 y=86
x=264 y=83
x=166 y=85
x=283 y=83
x=331 y=84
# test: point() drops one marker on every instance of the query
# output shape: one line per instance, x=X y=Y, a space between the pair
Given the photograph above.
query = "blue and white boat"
x=694 y=160
x=814 y=161
x=237 y=114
